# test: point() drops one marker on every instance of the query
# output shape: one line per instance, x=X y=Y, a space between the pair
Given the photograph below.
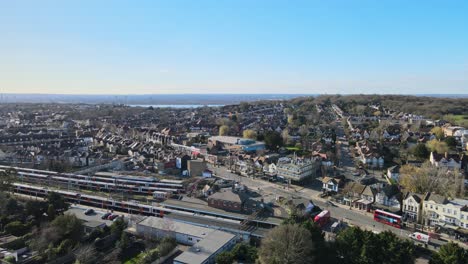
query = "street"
x=353 y=217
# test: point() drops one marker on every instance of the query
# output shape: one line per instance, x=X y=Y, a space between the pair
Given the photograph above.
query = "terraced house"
x=442 y=212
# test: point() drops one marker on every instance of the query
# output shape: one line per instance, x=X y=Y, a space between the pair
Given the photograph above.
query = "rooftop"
x=178 y=227
x=202 y=250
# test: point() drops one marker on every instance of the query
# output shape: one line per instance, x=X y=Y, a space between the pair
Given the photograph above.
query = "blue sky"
x=143 y=47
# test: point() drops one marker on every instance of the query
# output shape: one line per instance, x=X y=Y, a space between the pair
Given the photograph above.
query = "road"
x=352 y=217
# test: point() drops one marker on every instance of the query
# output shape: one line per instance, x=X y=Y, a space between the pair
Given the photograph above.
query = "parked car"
x=105 y=216
x=89 y=211
x=356 y=173
x=112 y=217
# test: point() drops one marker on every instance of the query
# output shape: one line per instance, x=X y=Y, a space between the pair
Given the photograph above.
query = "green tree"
x=450 y=253
x=451 y=142
x=223 y=130
x=68 y=226
x=10 y=259
x=249 y=133
x=51 y=212
x=16 y=228
x=12 y=207
x=124 y=241
x=420 y=151
x=287 y=244
x=57 y=201
x=438 y=132
x=273 y=140
x=7 y=177
x=244 y=253
x=35 y=208
x=118 y=226
x=225 y=257
x=355 y=245
x=437 y=146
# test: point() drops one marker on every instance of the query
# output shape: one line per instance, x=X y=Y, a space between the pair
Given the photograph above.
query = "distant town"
x=274 y=179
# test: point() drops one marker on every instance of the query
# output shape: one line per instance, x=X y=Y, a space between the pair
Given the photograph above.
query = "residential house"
x=450 y=131
x=440 y=211
x=330 y=184
x=450 y=161
x=389 y=196
x=412 y=207
x=358 y=195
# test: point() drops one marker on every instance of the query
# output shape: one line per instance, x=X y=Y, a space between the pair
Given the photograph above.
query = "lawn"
x=459 y=120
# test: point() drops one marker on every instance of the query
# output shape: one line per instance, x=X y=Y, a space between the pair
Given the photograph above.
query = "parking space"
x=96 y=216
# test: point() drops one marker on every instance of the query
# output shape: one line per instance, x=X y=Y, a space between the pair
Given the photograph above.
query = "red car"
x=112 y=217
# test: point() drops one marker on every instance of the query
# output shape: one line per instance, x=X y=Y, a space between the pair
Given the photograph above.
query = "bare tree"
x=429 y=178
x=85 y=254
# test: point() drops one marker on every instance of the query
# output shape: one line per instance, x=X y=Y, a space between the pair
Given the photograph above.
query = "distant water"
x=175 y=105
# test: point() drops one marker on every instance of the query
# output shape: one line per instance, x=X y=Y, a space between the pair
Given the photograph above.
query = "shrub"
x=16 y=228
x=166 y=246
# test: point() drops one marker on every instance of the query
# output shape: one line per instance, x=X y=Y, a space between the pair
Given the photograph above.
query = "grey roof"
x=202 y=250
x=225 y=139
x=436 y=198
x=227 y=195
x=416 y=197
x=178 y=227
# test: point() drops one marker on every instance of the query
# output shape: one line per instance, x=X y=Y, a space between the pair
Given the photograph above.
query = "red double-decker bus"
x=322 y=218
x=387 y=218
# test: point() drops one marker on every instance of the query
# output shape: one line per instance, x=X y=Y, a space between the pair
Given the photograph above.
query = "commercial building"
x=205 y=243
x=227 y=142
x=297 y=170
x=205 y=251
x=183 y=233
x=196 y=167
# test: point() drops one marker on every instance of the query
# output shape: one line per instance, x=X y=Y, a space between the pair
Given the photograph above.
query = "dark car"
x=89 y=211
x=105 y=216
x=112 y=217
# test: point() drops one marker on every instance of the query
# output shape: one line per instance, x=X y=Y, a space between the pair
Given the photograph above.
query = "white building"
x=205 y=251
x=412 y=207
x=205 y=243
x=297 y=170
x=438 y=210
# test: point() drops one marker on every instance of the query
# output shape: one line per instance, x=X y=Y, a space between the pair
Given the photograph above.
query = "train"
x=130 y=184
x=108 y=203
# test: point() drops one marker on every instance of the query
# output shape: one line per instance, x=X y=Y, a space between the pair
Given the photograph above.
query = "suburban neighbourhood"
x=209 y=178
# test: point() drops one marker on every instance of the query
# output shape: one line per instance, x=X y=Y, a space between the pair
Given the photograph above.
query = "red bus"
x=322 y=218
x=387 y=218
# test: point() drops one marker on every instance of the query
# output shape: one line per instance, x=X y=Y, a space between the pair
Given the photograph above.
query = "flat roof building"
x=205 y=243
x=205 y=251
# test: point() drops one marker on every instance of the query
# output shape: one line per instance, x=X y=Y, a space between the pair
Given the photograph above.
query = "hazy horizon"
x=167 y=99
x=308 y=47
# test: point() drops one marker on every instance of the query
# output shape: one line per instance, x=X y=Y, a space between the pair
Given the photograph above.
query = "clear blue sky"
x=127 y=47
